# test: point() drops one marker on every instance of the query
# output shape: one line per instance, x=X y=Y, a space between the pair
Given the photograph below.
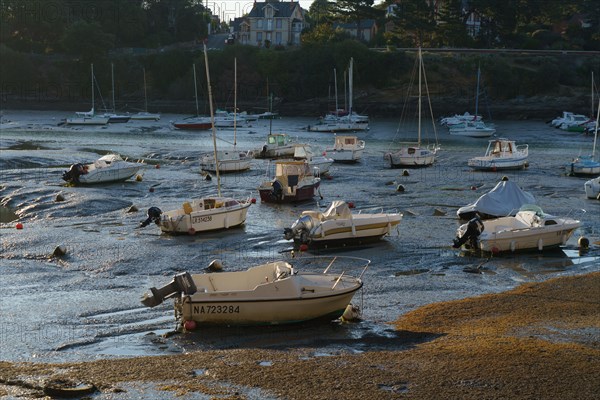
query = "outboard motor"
x=181 y=283
x=469 y=232
x=73 y=174
x=300 y=230
x=154 y=214
x=276 y=190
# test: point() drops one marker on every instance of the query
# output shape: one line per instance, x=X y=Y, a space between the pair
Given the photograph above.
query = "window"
x=278 y=23
x=277 y=37
x=259 y=36
x=259 y=24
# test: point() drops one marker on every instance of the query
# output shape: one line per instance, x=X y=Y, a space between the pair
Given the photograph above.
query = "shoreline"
x=540 y=340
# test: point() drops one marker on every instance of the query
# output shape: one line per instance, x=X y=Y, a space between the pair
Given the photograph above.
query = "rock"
x=438 y=213
x=59 y=197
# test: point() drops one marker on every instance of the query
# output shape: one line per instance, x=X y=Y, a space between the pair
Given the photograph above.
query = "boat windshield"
x=532 y=207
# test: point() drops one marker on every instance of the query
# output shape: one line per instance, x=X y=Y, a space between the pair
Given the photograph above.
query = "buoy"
x=253 y=200
x=157 y=166
x=350 y=204
x=138 y=178
x=473 y=187
x=60 y=251
x=526 y=164
x=215 y=265
x=19 y=225
x=583 y=242
x=191 y=231
x=329 y=177
x=400 y=188
x=151 y=190
x=133 y=209
x=505 y=178
x=405 y=173
x=303 y=247
x=189 y=325
x=59 y=197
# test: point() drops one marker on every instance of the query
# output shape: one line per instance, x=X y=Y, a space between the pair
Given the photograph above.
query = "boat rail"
x=345 y=263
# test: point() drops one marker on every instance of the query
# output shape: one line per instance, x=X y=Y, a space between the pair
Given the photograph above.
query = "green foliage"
x=87 y=40
x=15 y=68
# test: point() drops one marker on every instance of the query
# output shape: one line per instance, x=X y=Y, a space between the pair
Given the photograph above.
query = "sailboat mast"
x=196 y=91
x=212 y=119
x=234 y=101
x=477 y=94
x=92 y=69
x=145 y=93
x=336 y=94
x=350 y=83
x=596 y=130
x=592 y=114
x=420 y=90
x=112 y=74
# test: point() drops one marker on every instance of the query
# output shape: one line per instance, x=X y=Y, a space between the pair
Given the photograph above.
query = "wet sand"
x=538 y=341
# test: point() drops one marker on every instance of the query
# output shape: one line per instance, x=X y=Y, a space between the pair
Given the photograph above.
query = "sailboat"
x=145 y=115
x=228 y=160
x=342 y=120
x=413 y=154
x=469 y=125
x=196 y=123
x=88 y=117
x=207 y=213
x=113 y=116
x=587 y=164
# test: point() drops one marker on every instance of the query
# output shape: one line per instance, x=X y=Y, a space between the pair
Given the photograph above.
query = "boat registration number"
x=206 y=218
x=216 y=309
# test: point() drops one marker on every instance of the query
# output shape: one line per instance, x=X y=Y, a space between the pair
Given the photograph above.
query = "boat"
x=113 y=117
x=459 y=118
x=209 y=213
x=321 y=162
x=529 y=229
x=346 y=149
x=345 y=121
x=413 y=154
x=471 y=129
x=294 y=181
x=274 y=293
x=338 y=225
x=108 y=168
x=278 y=145
x=571 y=122
x=501 y=154
x=88 y=117
x=587 y=164
x=504 y=199
x=197 y=123
x=592 y=188
x=229 y=160
x=145 y=115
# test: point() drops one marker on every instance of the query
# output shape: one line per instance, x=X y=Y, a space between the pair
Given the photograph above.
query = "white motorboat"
x=274 y=293
x=501 y=154
x=208 y=213
x=413 y=154
x=471 y=129
x=346 y=149
x=530 y=229
x=339 y=225
x=108 y=168
x=592 y=188
x=229 y=161
x=322 y=162
x=506 y=198
x=459 y=118
x=202 y=215
x=294 y=181
x=278 y=145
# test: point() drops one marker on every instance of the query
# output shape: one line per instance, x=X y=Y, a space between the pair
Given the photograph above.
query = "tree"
x=416 y=20
x=451 y=30
x=87 y=40
x=356 y=11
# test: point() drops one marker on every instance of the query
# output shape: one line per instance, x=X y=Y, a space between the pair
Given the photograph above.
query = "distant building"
x=271 y=22
x=364 y=30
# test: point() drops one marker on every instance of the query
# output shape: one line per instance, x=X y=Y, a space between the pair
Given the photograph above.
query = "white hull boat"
x=229 y=161
x=91 y=120
x=346 y=149
x=592 y=188
x=274 y=293
x=108 y=168
x=202 y=215
x=342 y=124
x=278 y=145
x=338 y=225
x=501 y=154
x=294 y=181
x=476 y=129
x=530 y=229
x=145 y=116
x=458 y=118
x=321 y=162
x=587 y=164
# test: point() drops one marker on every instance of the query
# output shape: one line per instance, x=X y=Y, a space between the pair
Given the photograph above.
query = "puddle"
x=7 y=215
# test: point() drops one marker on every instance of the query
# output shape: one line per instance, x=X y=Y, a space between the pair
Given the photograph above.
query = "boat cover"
x=504 y=199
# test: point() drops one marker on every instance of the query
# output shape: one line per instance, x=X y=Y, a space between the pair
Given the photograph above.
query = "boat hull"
x=493 y=164
x=193 y=126
x=407 y=158
x=109 y=175
x=347 y=156
x=181 y=222
x=304 y=193
x=344 y=232
x=228 y=162
x=479 y=133
x=592 y=188
x=529 y=239
x=87 y=121
x=339 y=127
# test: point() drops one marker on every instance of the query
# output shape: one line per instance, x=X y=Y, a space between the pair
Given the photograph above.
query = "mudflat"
x=537 y=341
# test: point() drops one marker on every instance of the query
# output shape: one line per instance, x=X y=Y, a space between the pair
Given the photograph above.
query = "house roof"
x=364 y=24
x=282 y=9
